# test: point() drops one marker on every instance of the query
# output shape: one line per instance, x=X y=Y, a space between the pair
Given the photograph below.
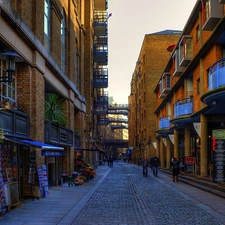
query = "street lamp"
x=11 y=58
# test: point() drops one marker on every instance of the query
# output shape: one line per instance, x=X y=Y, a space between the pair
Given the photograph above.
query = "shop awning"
x=30 y=142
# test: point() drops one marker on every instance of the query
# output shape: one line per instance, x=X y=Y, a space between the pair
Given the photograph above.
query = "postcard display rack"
x=9 y=192
x=32 y=175
x=43 y=180
x=2 y=193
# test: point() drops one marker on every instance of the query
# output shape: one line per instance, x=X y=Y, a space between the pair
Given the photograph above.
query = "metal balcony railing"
x=100 y=23
x=164 y=122
x=102 y=121
x=217 y=75
x=100 y=78
x=100 y=50
x=101 y=109
x=183 y=107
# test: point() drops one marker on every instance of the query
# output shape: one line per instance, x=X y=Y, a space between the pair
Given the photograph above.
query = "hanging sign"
x=164 y=141
x=171 y=136
x=197 y=127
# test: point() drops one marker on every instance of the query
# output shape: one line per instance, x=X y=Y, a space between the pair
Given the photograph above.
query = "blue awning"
x=30 y=142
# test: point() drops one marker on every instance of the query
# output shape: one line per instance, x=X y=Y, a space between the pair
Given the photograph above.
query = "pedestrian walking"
x=181 y=167
x=111 y=161
x=155 y=165
x=175 y=169
x=145 y=166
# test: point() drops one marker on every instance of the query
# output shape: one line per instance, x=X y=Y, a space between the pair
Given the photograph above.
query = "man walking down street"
x=155 y=165
x=175 y=169
x=145 y=167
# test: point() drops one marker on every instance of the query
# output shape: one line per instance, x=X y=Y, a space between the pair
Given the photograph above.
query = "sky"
x=130 y=21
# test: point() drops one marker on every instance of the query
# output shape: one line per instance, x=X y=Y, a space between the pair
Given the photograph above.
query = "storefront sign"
x=218 y=147
x=189 y=160
x=51 y=153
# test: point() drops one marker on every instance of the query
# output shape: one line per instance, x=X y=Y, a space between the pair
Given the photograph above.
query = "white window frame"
x=47 y=25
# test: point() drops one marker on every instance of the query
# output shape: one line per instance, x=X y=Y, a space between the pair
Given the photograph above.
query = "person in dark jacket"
x=155 y=165
x=175 y=169
x=145 y=167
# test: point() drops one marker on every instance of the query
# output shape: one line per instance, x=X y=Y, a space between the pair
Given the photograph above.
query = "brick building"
x=190 y=95
x=142 y=102
x=47 y=61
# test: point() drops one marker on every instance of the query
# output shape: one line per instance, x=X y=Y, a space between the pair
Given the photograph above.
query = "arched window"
x=47 y=25
x=63 y=43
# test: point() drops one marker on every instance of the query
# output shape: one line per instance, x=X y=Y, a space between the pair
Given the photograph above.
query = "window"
x=7 y=90
x=76 y=61
x=63 y=43
x=197 y=34
x=47 y=25
x=198 y=86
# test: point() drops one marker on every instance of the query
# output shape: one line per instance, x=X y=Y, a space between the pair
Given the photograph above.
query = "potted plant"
x=54 y=109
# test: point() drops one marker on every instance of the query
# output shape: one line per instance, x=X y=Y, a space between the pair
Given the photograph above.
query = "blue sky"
x=130 y=21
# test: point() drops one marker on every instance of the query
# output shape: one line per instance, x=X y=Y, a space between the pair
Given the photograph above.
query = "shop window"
x=47 y=25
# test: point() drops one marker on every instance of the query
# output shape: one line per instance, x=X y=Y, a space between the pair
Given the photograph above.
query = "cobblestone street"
x=126 y=197
x=122 y=196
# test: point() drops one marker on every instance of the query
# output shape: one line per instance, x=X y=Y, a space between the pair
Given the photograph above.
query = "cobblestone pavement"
x=126 y=197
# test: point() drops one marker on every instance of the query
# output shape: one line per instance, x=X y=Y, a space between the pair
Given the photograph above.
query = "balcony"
x=185 y=50
x=100 y=53
x=101 y=4
x=56 y=134
x=165 y=83
x=178 y=70
x=217 y=75
x=215 y=96
x=14 y=122
x=183 y=107
x=100 y=23
x=101 y=109
x=101 y=103
x=100 y=78
x=164 y=122
x=212 y=12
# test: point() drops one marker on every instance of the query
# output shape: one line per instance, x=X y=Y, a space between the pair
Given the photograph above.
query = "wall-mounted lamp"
x=11 y=58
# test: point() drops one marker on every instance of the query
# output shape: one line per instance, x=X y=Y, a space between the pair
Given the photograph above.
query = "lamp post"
x=11 y=58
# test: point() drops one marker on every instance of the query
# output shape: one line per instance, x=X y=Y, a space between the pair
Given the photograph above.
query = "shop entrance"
x=54 y=168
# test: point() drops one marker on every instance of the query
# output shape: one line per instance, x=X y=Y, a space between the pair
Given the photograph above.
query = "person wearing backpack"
x=175 y=169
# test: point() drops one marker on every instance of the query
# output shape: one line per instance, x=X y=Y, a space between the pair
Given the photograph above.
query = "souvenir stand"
x=8 y=177
x=43 y=180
